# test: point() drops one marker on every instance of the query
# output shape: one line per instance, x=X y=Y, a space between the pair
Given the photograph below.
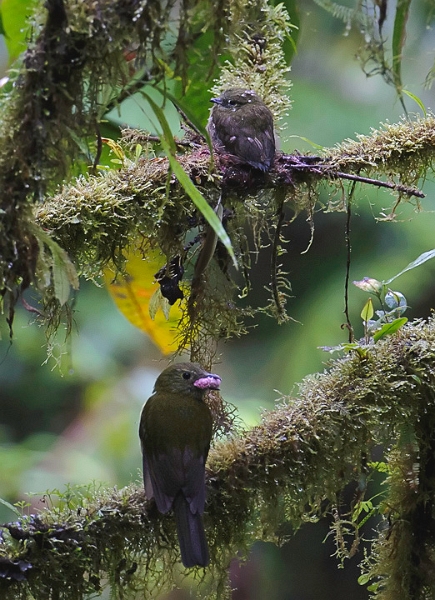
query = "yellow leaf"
x=138 y=297
x=115 y=147
x=368 y=311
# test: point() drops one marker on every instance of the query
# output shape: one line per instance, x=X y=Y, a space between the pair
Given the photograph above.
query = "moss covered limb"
x=98 y=217
x=302 y=454
x=306 y=447
x=110 y=206
x=405 y=149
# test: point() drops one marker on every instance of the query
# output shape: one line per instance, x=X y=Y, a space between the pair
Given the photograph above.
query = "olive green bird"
x=175 y=432
x=241 y=124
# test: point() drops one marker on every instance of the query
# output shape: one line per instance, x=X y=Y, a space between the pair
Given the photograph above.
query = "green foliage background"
x=76 y=421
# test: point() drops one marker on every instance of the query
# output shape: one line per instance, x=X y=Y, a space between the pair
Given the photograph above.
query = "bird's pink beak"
x=211 y=382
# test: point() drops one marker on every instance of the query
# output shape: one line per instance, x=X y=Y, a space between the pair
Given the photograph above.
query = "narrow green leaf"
x=201 y=203
x=416 y=100
x=186 y=110
x=398 y=41
x=415 y=263
x=64 y=272
x=167 y=133
x=10 y=506
x=390 y=328
x=168 y=144
x=291 y=39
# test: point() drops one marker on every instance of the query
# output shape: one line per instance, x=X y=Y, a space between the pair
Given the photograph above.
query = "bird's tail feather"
x=191 y=536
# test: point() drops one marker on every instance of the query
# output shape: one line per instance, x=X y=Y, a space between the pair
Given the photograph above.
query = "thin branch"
x=409 y=191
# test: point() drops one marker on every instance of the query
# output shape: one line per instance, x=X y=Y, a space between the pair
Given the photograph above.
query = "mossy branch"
x=302 y=454
x=111 y=206
x=98 y=218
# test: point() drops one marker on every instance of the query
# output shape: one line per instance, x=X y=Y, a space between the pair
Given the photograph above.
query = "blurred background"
x=76 y=420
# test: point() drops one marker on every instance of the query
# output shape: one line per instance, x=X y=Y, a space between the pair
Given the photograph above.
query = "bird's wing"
x=169 y=473
x=255 y=146
x=194 y=485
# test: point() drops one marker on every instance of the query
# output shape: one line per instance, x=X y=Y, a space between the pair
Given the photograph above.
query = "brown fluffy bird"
x=175 y=432
x=242 y=125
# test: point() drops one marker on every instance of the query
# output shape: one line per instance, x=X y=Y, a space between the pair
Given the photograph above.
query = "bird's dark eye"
x=186 y=375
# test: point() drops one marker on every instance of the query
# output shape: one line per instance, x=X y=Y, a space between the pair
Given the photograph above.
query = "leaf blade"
x=390 y=328
x=425 y=256
x=168 y=143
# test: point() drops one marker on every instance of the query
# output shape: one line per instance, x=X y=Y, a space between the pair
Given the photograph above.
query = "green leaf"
x=202 y=205
x=390 y=328
x=15 y=21
x=61 y=274
x=167 y=133
x=10 y=506
x=416 y=100
x=292 y=38
x=2 y=29
x=368 y=311
x=415 y=263
x=190 y=114
x=64 y=272
x=168 y=144
x=398 y=41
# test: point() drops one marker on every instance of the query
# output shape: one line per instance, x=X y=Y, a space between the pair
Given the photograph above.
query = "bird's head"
x=186 y=378
x=236 y=98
